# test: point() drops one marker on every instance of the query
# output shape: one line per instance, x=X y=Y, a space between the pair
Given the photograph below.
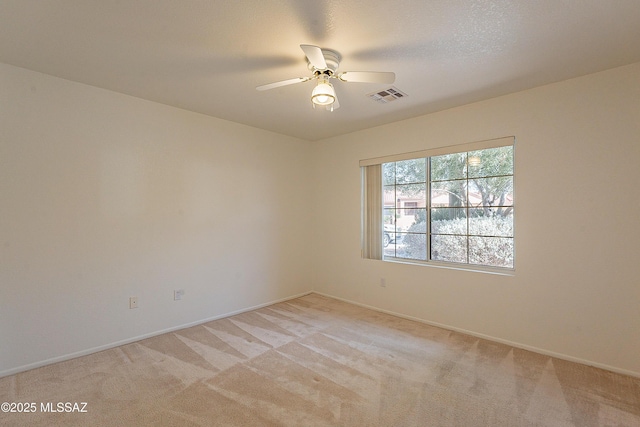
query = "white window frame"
x=374 y=222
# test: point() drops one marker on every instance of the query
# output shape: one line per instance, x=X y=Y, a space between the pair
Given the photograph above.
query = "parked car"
x=389 y=234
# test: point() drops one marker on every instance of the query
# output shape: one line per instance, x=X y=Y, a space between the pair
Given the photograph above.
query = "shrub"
x=489 y=243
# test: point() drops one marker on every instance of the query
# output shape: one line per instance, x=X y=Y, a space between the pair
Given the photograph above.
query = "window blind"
x=371 y=233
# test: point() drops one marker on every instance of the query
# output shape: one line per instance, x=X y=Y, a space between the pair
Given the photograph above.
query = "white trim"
x=86 y=352
x=494 y=339
x=476 y=268
x=538 y=350
x=439 y=151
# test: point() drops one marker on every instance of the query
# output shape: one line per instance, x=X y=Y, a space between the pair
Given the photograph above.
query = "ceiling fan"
x=323 y=64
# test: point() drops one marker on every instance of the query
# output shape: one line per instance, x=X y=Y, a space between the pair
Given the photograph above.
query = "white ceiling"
x=208 y=56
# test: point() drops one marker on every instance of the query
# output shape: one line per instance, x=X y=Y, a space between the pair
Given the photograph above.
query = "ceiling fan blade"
x=367 y=76
x=314 y=55
x=283 y=83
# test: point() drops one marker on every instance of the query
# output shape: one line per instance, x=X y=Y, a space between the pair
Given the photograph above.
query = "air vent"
x=387 y=95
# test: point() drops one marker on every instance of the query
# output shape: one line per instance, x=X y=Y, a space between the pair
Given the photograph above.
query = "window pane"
x=408 y=171
x=449 y=248
x=389 y=196
x=411 y=193
x=388 y=173
x=389 y=218
x=491 y=162
x=389 y=237
x=448 y=193
x=411 y=202
x=447 y=167
x=419 y=224
x=410 y=208
x=494 y=222
x=412 y=246
x=491 y=251
x=496 y=191
x=449 y=221
x=389 y=250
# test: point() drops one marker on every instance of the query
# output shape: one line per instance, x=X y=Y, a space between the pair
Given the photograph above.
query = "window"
x=410 y=208
x=451 y=205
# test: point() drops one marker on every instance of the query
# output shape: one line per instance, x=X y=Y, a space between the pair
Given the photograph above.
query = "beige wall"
x=105 y=196
x=576 y=288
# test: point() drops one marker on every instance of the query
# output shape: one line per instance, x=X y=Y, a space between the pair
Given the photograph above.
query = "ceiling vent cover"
x=387 y=95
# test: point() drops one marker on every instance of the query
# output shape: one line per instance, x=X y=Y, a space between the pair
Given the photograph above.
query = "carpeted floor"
x=316 y=361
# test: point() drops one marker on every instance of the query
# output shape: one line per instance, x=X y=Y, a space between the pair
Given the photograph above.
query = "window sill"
x=451 y=266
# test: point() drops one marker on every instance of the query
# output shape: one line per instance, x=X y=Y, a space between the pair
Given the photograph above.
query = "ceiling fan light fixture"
x=323 y=93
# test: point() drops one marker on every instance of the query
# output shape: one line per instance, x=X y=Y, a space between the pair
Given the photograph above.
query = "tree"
x=489 y=173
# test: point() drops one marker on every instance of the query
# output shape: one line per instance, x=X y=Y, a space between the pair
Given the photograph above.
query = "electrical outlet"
x=177 y=294
x=383 y=282
x=133 y=302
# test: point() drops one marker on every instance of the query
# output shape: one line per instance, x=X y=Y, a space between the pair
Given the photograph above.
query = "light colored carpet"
x=316 y=361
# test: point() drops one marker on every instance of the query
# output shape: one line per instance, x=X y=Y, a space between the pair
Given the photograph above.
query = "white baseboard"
x=546 y=352
x=494 y=339
x=92 y=350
